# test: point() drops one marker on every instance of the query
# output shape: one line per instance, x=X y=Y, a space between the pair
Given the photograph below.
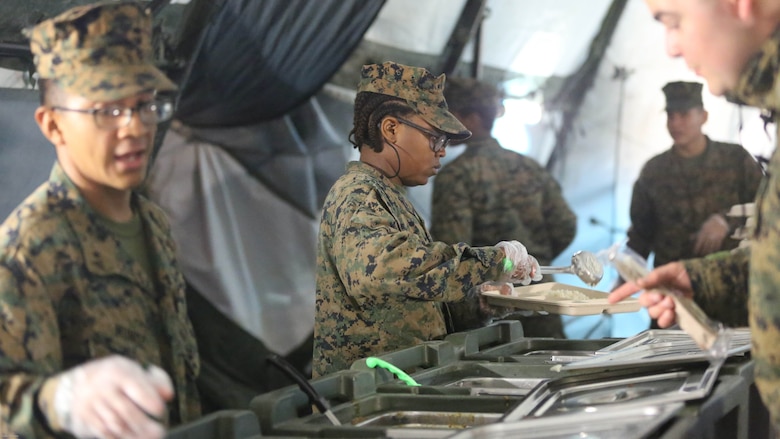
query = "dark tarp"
x=260 y=108
x=297 y=156
x=295 y=47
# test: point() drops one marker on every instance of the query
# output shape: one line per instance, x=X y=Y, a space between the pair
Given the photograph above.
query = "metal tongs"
x=711 y=336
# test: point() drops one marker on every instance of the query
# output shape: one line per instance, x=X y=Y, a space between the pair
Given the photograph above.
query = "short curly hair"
x=370 y=108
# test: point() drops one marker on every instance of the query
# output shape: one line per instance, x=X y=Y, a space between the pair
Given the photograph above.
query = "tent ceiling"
x=523 y=39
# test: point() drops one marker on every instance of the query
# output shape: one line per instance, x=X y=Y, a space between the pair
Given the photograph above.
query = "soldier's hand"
x=525 y=267
x=711 y=235
x=659 y=306
x=112 y=397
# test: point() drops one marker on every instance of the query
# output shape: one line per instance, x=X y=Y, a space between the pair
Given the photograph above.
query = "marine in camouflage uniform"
x=674 y=195
x=70 y=291
x=74 y=285
x=720 y=282
x=486 y=179
x=382 y=282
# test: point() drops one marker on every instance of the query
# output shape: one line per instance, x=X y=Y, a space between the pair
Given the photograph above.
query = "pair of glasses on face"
x=436 y=141
x=114 y=117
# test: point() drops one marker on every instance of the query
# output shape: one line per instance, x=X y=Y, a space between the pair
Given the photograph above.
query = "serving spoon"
x=584 y=264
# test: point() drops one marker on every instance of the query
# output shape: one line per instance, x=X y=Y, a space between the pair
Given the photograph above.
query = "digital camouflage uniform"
x=726 y=277
x=675 y=195
x=489 y=194
x=381 y=279
x=70 y=293
x=382 y=282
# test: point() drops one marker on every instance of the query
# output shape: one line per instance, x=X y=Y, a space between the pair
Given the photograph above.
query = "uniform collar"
x=102 y=252
x=758 y=85
x=365 y=168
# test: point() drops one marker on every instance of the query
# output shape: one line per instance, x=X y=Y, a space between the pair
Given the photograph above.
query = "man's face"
x=685 y=126
x=100 y=158
x=710 y=36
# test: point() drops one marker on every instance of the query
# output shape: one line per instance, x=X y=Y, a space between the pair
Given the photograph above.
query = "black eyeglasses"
x=114 y=117
x=436 y=141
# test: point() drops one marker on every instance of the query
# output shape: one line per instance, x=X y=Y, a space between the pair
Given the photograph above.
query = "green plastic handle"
x=373 y=362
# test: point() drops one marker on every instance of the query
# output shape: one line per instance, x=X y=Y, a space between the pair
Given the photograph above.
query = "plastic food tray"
x=535 y=298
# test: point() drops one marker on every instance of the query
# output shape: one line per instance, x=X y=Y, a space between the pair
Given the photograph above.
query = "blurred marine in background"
x=680 y=200
x=489 y=192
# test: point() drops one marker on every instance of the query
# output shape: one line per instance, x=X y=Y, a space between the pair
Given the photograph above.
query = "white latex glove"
x=526 y=268
x=711 y=235
x=112 y=397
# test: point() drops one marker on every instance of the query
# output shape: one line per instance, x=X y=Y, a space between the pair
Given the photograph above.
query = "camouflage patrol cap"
x=681 y=95
x=419 y=88
x=102 y=51
x=470 y=93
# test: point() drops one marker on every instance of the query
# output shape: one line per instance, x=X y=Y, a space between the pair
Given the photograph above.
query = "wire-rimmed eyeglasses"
x=114 y=117
x=436 y=141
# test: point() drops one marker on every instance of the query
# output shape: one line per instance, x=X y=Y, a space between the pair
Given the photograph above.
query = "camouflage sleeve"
x=720 y=285
x=451 y=215
x=377 y=258
x=642 y=230
x=29 y=346
x=561 y=222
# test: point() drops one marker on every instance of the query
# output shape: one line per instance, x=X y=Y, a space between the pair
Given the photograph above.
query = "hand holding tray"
x=709 y=335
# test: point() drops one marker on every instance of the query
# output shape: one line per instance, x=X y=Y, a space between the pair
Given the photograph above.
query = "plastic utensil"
x=373 y=362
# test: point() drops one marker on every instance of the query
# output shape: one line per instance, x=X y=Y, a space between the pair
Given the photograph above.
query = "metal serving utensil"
x=584 y=264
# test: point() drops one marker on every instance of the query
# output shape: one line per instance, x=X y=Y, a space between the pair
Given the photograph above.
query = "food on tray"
x=566 y=295
x=559 y=298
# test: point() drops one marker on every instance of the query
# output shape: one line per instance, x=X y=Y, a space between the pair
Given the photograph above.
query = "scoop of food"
x=584 y=264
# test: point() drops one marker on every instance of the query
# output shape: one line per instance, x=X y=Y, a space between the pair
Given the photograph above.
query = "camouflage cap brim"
x=110 y=83
x=442 y=120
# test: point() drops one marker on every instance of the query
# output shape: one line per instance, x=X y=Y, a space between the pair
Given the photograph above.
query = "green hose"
x=373 y=362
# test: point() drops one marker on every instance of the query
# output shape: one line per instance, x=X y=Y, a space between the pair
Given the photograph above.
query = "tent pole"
x=572 y=93
x=470 y=19
x=476 y=64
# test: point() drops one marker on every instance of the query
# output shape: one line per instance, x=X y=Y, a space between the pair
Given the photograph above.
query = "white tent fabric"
x=523 y=36
x=247 y=251
x=11 y=79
